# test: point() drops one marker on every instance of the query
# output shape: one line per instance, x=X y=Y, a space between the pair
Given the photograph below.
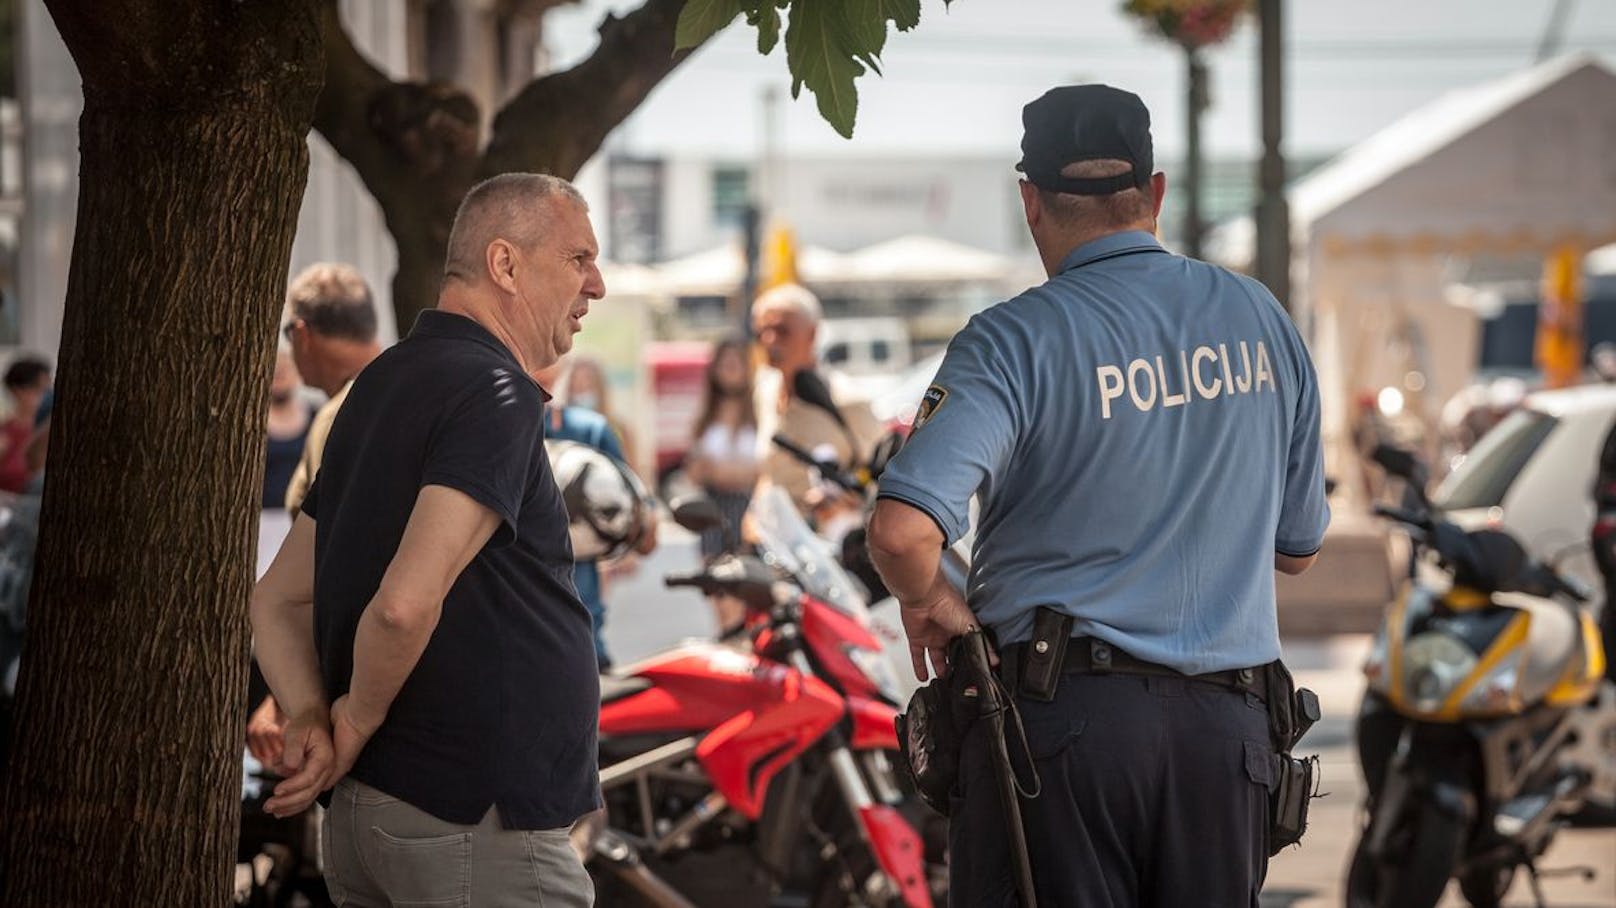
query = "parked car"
x=1533 y=475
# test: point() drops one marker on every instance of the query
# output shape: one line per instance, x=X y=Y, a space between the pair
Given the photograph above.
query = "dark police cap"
x=1075 y=123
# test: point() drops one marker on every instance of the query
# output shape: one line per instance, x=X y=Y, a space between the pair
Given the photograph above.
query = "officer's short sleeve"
x=485 y=445
x=1304 y=513
x=963 y=434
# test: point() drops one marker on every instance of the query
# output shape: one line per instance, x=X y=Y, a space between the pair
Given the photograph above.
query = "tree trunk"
x=419 y=222
x=125 y=782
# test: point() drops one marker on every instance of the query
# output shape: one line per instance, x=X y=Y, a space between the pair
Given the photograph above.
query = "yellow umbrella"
x=1559 y=323
x=779 y=259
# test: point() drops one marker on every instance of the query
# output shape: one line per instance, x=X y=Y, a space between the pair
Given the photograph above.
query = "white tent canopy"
x=917 y=259
x=913 y=259
x=1522 y=165
x=718 y=272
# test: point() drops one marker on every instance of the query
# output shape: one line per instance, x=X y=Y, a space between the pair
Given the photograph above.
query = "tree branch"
x=398 y=136
x=558 y=122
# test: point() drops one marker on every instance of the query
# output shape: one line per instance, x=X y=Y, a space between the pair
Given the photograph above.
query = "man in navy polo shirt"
x=425 y=592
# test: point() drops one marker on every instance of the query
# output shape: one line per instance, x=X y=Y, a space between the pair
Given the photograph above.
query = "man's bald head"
x=515 y=207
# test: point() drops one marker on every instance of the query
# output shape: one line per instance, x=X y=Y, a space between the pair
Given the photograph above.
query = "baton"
x=993 y=709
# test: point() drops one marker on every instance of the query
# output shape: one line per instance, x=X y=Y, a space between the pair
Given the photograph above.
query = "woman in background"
x=723 y=454
x=583 y=384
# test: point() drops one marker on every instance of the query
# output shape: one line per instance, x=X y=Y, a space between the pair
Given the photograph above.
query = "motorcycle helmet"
x=605 y=501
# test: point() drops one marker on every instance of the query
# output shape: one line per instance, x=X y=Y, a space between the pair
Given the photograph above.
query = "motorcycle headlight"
x=1495 y=692
x=1433 y=665
x=873 y=663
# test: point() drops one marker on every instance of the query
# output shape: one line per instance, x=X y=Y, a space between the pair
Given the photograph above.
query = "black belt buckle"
x=1044 y=657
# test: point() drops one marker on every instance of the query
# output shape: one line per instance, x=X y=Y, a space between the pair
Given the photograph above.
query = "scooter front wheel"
x=1433 y=843
x=1486 y=887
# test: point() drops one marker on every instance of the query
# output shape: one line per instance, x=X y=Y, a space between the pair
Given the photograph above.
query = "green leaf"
x=820 y=56
x=701 y=19
x=905 y=14
x=767 y=21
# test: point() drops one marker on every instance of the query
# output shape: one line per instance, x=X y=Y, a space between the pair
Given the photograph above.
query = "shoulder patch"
x=930 y=402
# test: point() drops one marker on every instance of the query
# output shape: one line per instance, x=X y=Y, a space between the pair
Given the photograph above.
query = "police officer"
x=1142 y=432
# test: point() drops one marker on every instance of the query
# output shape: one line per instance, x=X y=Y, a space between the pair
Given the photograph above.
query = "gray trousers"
x=379 y=852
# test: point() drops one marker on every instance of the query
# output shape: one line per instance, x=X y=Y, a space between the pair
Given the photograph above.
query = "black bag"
x=930 y=735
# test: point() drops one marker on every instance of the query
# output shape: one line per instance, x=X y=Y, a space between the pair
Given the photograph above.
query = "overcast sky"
x=957 y=83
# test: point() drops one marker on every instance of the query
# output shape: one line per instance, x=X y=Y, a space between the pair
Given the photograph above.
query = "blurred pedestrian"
x=331 y=332
x=588 y=426
x=288 y=423
x=582 y=383
x=28 y=381
x=331 y=329
x=427 y=642
x=723 y=459
x=786 y=321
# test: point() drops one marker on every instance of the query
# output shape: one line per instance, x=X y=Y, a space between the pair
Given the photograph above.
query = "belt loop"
x=1099 y=657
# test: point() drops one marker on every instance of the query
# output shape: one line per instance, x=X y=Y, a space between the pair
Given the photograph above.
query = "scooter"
x=759 y=774
x=1486 y=721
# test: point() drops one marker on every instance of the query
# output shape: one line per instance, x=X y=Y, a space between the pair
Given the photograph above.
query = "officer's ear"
x=1158 y=188
x=1032 y=204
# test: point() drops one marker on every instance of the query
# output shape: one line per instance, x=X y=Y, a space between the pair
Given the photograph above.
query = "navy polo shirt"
x=1142 y=434
x=503 y=705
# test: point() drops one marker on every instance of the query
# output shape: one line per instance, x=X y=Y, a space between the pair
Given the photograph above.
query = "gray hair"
x=795 y=297
x=1120 y=209
x=512 y=207
x=333 y=300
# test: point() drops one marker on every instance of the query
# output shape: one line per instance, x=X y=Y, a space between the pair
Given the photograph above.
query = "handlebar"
x=1402 y=515
x=831 y=471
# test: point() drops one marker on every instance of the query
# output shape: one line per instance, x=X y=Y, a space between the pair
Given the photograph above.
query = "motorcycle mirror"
x=697 y=513
x=812 y=389
x=886 y=449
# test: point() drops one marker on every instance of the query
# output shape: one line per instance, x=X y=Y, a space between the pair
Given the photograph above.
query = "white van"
x=864 y=346
x=1533 y=475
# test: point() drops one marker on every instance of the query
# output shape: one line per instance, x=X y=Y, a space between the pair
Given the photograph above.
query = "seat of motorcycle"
x=615 y=688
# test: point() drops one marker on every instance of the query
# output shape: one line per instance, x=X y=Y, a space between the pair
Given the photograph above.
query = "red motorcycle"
x=760 y=774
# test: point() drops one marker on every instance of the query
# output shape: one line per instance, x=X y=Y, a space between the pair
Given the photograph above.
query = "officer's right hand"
x=930 y=623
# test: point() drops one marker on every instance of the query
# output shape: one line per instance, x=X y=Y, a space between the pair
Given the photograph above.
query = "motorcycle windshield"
x=786 y=539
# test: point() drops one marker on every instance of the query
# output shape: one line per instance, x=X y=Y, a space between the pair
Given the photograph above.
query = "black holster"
x=1291 y=712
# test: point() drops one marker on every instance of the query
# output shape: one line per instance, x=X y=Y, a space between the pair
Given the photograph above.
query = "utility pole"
x=762 y=200
x=1273 y=264
x=1554 y=30
x=1195 y=103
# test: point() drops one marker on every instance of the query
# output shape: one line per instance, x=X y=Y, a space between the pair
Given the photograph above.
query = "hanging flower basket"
x=1191 y=23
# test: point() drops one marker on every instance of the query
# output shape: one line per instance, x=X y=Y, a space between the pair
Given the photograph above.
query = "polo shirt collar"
x=454 y=326
x=1109 y=245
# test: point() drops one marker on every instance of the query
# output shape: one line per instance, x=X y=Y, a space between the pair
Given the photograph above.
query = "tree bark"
x=125 y=782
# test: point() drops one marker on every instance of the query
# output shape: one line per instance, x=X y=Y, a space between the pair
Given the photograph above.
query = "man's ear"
x=501 y=263
x=1031 y=204
x=1158 y=187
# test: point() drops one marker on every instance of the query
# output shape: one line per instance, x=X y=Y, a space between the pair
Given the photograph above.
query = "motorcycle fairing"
x=874 y=725
x=827 y=632
x=694 y=687
x=900 y=852
x=743 y=754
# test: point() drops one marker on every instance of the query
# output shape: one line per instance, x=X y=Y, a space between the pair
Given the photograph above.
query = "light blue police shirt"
x=1143 y=433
